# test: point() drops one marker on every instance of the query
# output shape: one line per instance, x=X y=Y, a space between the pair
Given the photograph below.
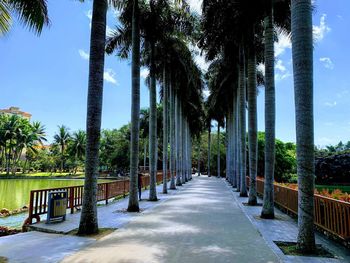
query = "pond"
x=14 y=194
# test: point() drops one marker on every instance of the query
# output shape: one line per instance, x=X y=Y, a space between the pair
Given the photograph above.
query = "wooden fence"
x=38 y=202
x=330 y=214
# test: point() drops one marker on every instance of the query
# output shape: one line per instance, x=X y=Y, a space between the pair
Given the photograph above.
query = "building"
x=16 y=111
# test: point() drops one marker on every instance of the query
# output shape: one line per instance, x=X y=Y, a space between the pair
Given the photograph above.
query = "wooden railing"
x=38 y=202
x=330 y=214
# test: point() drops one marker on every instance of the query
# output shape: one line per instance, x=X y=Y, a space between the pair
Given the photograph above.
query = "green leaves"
x=33 y=13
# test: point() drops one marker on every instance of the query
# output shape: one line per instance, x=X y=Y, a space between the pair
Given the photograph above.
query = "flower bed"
x=5 y=231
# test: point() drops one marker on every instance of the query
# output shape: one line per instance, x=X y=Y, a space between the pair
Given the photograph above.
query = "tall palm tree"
x=61 y=139
x=79 y=144
x=218 y=153
x=252 y=120
x=209 y=150
x=133 y=205
x=33 y=14
x=302 y=52
x=165 y=132
x=88 y=220
x=277 y=15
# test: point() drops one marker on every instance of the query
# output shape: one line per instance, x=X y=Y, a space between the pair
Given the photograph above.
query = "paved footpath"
x=203 y=223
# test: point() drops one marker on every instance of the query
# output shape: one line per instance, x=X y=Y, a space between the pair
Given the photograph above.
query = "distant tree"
x=61 y=139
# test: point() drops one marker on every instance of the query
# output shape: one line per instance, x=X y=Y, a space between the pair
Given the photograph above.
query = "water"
x=14 y=194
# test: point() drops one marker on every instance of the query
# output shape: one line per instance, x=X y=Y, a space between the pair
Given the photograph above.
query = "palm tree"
x=302 y=52
x=33 y=14
x=78 y=146
x=276 y=15
x=61 y=139
x=252 y=120
x=165 y=132
x=88 y=220
x=218 y=153
x=133 y=205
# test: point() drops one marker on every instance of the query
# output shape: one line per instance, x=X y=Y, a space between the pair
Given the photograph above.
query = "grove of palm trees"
x=215 y=183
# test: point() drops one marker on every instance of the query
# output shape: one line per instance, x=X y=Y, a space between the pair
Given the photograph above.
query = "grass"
x=45 y=174
x=3 y=260
x=290 y=249
x=343 y=188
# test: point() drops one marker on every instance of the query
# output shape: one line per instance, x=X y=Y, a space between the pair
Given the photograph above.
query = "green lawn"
x=47 y=174
x=343 y=188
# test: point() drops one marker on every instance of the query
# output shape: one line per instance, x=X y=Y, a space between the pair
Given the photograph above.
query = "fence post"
x=106 y=193
x=71 y=199
x=124 y=188
x=31 y=200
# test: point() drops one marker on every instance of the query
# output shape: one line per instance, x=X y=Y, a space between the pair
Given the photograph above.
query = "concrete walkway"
x=285 y=228
x=202 y=224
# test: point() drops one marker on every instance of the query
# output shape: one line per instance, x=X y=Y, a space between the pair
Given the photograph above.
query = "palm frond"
x=33 y=13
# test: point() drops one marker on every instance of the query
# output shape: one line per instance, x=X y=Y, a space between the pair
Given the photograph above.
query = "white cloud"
x=109 y=76
x=196 y=5
x=199 y=58
x=206 y=93
x=343 y=93
x=279 y=65
x=321 y=30
x=279 y=77
x=261 y=67
x=83 y=54
x=144 y=73
x=327 y=62
x=340 y=17
x=283 y=43
x=89 y=14
x=330 y=104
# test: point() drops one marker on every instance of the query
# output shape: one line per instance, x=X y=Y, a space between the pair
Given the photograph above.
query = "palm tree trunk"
x=252 y=126
x=209 y=144
x=227 y=141
x=88 y=220
x=233 y=139
x=165 y=133
x=153 y=129
x=184 y=180
x=302 y=51
x=270 y=116
x=172 y=138
x=133 y=205
x=144 y=155
x=238 y=155
x=242 y=126
x=177 y=141
x=218 y=154
x=199 y=158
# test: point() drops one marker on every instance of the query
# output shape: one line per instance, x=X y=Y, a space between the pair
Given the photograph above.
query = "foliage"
x=17 y=137
x=33 y=14
x=330 y=150
x=285 y=165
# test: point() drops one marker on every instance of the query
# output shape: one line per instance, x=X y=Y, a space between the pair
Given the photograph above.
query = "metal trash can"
x=57 y=206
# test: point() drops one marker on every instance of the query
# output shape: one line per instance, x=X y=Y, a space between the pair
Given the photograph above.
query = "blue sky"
x=47 y=75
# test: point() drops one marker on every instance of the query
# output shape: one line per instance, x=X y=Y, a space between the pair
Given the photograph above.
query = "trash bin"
x=57 y=206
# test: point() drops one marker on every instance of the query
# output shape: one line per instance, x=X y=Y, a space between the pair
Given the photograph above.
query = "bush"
x=285 y=162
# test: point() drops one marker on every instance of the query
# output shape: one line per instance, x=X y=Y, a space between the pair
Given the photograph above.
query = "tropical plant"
x=33 y=14
x=61 y=139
